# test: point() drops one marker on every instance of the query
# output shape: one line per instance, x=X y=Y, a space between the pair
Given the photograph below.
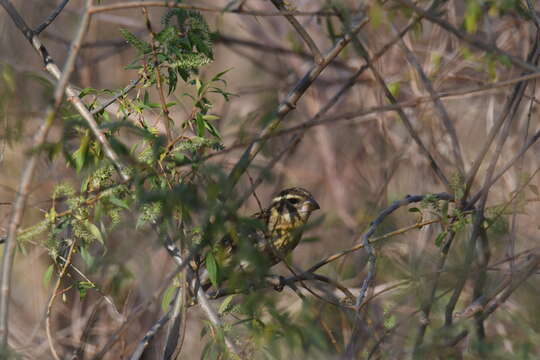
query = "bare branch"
x=28 y=173
x=53 y=297
x=301 y=31
x=292 y=98
x=51 y=17
x=177 y=5
x=472 y=40
x=439 y=106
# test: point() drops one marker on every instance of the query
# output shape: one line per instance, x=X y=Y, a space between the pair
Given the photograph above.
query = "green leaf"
x=440 y=238
x=141 y=46
x=167 y=297
x=218 y=76
x=472 y=15
x=376 y=14
x=119 y=202
x=199 y=86
x=94 y=230
x=172 y=80
x=394 y=88
x=84 y=184
x=225 y=305
x=212 y=267
x=146 y=97
x=48 y=275
x=7 y=75
x=81 y=154
x=414 y=209
x=212 y=129
x=201 y=125
x=209 y=117
x=87 y=257
x=87 y=91
x=83 y=286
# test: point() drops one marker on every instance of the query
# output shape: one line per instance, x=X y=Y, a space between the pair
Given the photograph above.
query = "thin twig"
x=53 y=297
x=470 y=39
x=509 y=165
x=177 y=5
x=72 y=94
x=505 y=122
x=143 y=344
x=367 y=282
x=430 y=300
x=202 y=299
x=51 y=17
x=439 y=106
x=28 y=173
x=409 y=199
x=406 y=121
x=112 y=339
x=280 y=5
x=164 y=109
x=292 y=98
x=78 y=353
x=318 y=120
x=120 y=94
x=117 y=315
x=273 y=49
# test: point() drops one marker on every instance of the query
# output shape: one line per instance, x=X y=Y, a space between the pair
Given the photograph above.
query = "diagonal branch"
x=439 y=106
x=202 y=298
x=472 y=40
x=408 y=125
x=72 y=94
x=31 y=163
x=301 y=31
x=292 y=98
x=179 y=5
x=51 y=17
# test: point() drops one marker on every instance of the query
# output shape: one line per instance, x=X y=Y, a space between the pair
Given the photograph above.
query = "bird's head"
x=294 y=205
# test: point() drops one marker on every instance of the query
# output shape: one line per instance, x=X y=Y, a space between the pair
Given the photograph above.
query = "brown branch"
x=231 y=41
x=166 y=118
x=51 y=17
x=472 y=40
x=78 y=353
x=408 y=124
x=359 y=246
x=429 y=301
x=134 y=314
x=202 y=298
x=509 y=165
x=53 y=297
x=149 y=335
x=39 y=139
x=280 y=5
x=482 y=308
x=505 y=122
x=177 y=5
x=439 y=106
x=290 y=101
x=72 y=94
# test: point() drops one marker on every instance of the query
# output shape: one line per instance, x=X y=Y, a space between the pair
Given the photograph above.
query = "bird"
x=283 y=223
x=280 y=231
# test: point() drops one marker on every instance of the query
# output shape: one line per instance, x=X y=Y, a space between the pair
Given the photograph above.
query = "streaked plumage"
x=284 y=220
x=259 y=247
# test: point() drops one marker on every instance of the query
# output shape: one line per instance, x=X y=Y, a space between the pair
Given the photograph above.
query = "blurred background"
x=354 y=163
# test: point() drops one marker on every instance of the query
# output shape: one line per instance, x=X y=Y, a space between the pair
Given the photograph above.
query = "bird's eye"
x=294 y=201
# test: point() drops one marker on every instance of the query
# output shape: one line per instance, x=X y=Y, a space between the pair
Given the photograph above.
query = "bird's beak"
x=314 y=205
